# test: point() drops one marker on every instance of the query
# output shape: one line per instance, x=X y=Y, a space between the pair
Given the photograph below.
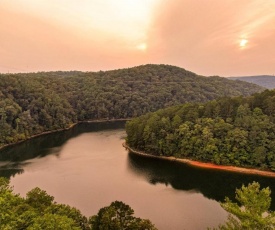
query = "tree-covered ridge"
x=229 y=131
x=37 y=102
x=39 y=211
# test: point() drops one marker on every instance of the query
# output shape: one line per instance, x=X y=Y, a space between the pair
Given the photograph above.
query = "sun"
x=243 y=43
x=142 y=46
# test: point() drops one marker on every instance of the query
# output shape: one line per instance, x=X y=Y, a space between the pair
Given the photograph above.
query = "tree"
x=118 y=216
x=251 y=211
x=39 y=199
x=53 y=222
x=70 y=212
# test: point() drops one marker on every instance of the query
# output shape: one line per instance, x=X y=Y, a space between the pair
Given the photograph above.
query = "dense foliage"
x=37 y=102
x=251 y=211
x=230 y=131
x=38 y=211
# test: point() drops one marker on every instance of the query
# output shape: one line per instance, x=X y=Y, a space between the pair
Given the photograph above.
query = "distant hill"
x=32 y=103
x=267 y=81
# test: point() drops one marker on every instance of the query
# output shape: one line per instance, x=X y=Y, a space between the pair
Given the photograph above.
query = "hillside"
x=266 y=81
x=37 y=102
x=229 y=131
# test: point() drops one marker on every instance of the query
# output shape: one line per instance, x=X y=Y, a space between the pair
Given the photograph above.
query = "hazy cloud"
x=201 y=36
x=204 y=36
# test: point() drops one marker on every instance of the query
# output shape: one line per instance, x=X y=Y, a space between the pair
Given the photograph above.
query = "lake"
x=87 y=167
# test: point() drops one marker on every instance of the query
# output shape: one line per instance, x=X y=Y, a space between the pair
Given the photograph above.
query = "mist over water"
x=88 y=168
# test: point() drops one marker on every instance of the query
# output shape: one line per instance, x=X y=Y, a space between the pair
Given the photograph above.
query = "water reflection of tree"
x=43 y=145
x=13 y=158
x=9 y=171
x=213 y=184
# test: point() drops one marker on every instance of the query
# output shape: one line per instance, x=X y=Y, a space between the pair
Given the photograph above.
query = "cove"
x=87 y=167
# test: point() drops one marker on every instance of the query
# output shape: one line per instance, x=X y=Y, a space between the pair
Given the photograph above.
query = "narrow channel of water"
x=88 y=168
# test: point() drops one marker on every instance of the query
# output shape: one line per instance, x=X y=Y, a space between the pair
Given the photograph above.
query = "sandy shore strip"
x=205 y=165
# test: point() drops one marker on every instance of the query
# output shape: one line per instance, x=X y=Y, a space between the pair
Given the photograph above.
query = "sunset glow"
x=42 y=35
x=142 y=46
x=243 y=43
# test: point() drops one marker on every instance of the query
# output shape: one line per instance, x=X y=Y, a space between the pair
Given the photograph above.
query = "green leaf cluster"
x=37 y=211
x=251 y=211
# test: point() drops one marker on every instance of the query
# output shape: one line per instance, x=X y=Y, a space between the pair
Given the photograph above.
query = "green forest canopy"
x=236 y=131
x=33 y=103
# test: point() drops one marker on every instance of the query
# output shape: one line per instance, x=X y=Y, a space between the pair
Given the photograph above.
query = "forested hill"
x=266 y=81
x=37 y=102
x=229 y=131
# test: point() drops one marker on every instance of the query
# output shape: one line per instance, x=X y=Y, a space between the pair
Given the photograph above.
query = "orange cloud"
x=202 y=36
x=31 y=43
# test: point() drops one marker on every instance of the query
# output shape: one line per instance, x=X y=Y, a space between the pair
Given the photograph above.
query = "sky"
x=208 y=37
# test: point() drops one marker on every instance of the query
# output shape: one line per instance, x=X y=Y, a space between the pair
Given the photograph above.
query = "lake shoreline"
x=204 y=165
x=64 y=129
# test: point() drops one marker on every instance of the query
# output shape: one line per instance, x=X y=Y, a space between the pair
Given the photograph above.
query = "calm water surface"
x=88 y=168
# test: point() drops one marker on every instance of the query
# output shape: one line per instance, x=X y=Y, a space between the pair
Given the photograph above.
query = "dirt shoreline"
x=59 y=130
x=205 y=165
